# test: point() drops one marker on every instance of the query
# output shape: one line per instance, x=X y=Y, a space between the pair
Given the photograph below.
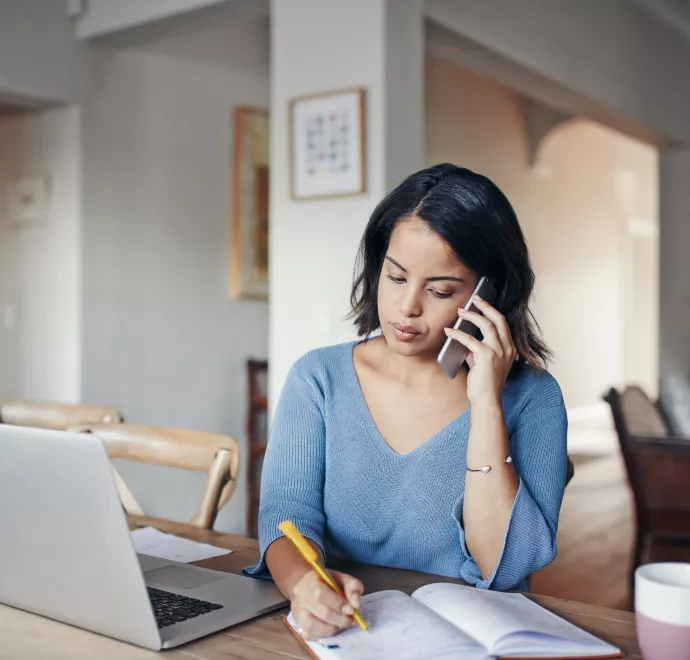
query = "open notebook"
x=452 y=621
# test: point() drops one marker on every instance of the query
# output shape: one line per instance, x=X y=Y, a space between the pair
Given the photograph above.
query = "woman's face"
x=421 y=286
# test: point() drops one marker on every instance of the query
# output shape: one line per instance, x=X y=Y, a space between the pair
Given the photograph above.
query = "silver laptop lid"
x=66 y=552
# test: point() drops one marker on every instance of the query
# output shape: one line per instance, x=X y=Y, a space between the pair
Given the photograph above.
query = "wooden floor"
x=595 y=536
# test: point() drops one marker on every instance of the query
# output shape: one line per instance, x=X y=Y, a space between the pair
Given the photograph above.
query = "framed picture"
x=328 y=144
x=250 y=222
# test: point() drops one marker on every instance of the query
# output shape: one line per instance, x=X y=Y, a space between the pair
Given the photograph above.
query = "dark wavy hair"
x=470 y=213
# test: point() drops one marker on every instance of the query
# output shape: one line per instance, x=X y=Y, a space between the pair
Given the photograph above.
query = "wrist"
x=286 y=565
x=294 y=577
x=488 y=406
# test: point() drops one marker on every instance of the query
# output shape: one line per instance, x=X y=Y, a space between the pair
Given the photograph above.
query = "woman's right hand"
x=321 y=612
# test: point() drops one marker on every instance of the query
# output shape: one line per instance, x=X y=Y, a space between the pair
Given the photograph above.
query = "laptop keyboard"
x=172 y=608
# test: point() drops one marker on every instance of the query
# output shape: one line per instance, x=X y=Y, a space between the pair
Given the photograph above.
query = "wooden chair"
x=257 y=412
x=217 y=455
x=56 y=416
x=657 y=462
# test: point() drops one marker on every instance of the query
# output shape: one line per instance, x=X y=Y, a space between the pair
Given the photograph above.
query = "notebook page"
x=491 y=616
x=399 y=629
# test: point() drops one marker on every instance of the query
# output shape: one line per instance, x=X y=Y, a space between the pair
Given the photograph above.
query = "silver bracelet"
x=487 y=468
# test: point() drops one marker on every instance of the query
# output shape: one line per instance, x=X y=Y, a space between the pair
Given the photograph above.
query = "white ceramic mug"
x=662 y=610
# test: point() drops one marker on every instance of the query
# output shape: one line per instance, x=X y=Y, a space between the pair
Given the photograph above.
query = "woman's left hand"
x=491 y=359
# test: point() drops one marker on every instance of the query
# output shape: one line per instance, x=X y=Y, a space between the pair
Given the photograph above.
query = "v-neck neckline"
x=366 y=411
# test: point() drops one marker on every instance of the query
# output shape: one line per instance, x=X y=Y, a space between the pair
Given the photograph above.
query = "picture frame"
x=250 y=204
x=328 y=144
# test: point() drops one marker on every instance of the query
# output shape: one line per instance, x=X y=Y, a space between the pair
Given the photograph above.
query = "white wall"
x=105 y=16
x=162 y=339
x=641 y=276
x=314 y=242
x=572 y=211
x=9 y=269
x=608 y=57
x=617 y=57
x=40 y=265
x=675 y=290
x=610 y=52
x=39 y=58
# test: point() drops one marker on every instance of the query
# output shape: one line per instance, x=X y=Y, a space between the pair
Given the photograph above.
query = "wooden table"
x=26 y=636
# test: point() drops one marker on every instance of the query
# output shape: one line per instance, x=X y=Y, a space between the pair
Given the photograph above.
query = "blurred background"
x=174 y=231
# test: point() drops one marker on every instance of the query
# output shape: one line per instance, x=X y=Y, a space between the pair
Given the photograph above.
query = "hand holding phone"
x=453 y=354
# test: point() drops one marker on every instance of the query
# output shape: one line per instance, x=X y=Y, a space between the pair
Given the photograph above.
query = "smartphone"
x=453 y=353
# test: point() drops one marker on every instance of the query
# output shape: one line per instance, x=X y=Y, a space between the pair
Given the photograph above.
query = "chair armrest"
x=664 y=443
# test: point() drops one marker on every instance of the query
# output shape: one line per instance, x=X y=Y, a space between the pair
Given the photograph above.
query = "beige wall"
x=575 y=206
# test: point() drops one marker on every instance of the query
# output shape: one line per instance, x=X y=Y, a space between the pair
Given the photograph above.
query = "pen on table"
x=312 y=559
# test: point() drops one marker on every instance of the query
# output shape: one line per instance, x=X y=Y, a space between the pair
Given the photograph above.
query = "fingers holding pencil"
x=323 y=602
x=352 y=587
x=318 y=610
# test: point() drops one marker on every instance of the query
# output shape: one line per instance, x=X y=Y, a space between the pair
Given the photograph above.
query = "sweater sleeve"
x=292 y=479
x=538 y=448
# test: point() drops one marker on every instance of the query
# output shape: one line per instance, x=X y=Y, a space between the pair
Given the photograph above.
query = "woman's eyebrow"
x=436 y=278
x=452 y=278
x=395 y=263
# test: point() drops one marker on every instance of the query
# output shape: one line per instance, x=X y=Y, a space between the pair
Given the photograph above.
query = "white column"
x=318 y=46
x=40 y=264
x=674 y=278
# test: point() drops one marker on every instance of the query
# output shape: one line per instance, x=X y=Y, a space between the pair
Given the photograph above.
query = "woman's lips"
x=405 y=332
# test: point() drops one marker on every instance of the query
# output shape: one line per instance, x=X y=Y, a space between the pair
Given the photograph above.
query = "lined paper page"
x=491 y=616
x=399 y=629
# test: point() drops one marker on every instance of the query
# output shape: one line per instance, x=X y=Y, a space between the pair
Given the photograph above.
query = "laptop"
x=66 y=551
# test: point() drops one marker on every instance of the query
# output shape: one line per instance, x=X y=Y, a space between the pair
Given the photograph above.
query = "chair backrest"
x=657 y=462
x=56 y=416
x=641 y=415
x=217 y=455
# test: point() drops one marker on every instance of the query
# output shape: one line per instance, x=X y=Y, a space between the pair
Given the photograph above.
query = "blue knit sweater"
x=328 y=469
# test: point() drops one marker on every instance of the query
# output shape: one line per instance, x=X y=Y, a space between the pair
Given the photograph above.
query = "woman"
x=375 y=454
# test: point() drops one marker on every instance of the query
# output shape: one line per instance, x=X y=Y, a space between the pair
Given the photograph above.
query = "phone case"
x=453 y=354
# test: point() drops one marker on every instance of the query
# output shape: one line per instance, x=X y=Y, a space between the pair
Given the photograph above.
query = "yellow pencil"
x=312 y=559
